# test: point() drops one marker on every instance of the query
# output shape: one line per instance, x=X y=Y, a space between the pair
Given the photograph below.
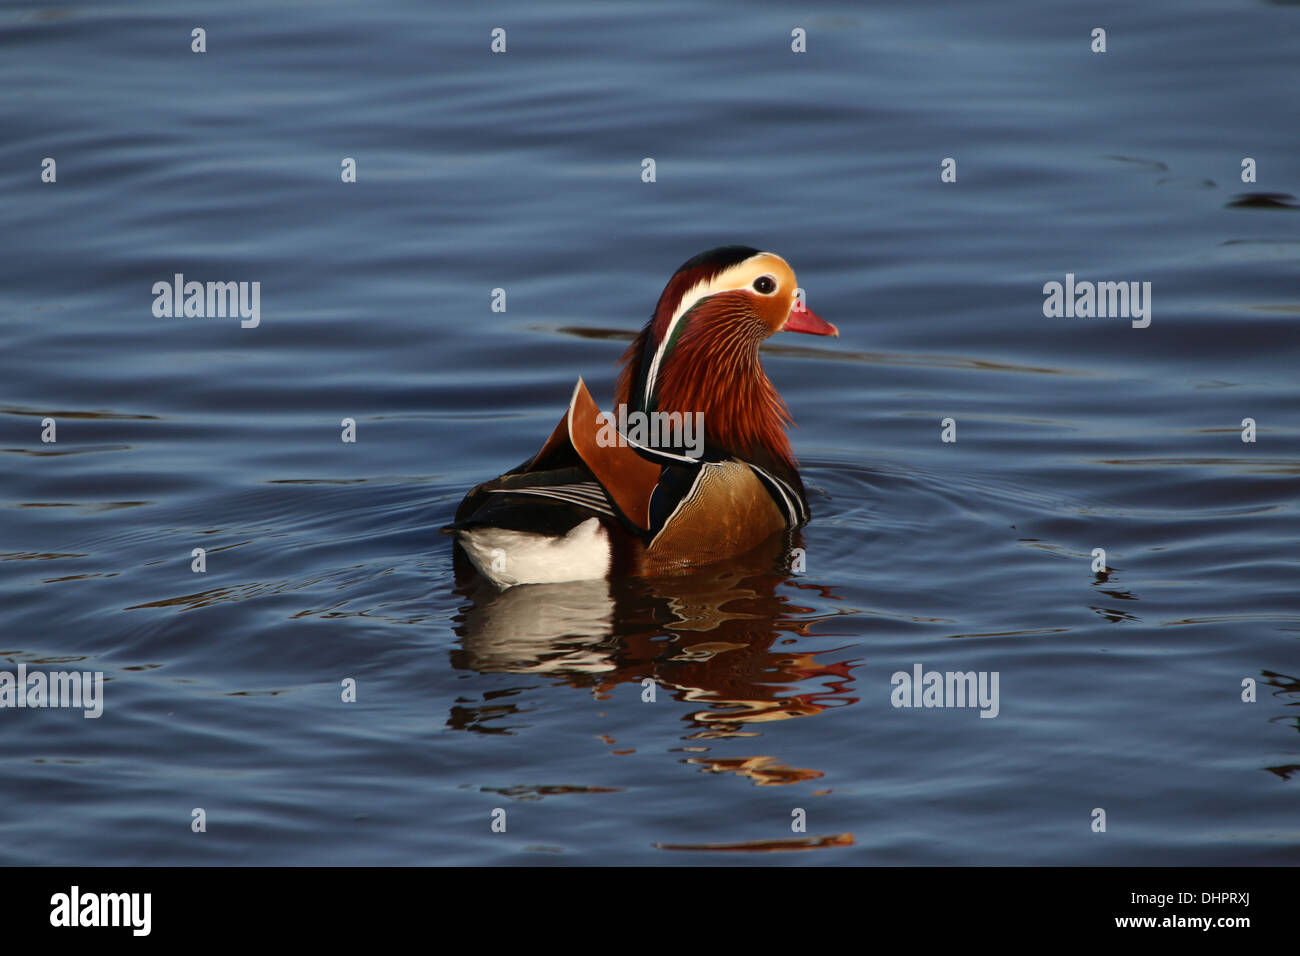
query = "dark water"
x=1119 y=691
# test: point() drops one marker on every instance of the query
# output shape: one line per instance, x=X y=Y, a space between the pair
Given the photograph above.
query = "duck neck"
x=713 y=368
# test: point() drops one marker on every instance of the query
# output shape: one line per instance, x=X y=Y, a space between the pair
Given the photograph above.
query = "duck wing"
x=578 y=473
x=697 y=508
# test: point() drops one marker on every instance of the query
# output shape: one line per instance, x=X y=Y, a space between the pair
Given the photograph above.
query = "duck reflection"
x=712 y=639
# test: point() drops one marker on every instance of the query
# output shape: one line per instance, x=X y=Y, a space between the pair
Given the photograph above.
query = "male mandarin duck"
x=598 y=500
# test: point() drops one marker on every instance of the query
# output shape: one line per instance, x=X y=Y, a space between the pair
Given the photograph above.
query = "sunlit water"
x=1120 y=690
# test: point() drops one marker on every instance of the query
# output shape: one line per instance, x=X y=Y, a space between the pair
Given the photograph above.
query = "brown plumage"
x=716 y=370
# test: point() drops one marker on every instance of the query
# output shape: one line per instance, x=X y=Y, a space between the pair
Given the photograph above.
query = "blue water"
x=522 y=171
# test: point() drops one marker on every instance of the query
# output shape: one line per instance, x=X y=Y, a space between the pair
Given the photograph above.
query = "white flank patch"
x=507 y=558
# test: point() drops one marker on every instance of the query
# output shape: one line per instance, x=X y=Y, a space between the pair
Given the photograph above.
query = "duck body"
x=597 y=500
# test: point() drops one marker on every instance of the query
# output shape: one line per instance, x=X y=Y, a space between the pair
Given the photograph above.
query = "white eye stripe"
x=701 y=290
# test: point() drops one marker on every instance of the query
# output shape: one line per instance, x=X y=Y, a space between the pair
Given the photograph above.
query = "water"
x=1119 y=691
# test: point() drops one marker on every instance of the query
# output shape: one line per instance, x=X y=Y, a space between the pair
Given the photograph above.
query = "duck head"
x=699 y=351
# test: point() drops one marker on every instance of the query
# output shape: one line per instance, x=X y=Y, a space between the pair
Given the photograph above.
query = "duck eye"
x=765 y=285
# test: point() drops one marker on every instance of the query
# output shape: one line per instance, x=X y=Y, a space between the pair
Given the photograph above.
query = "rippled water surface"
x=1118 y=690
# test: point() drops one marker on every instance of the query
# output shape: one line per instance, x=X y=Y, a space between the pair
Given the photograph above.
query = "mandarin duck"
x=603 y=498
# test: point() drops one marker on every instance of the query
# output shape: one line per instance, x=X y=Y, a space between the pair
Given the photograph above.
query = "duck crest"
x=691 y=278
